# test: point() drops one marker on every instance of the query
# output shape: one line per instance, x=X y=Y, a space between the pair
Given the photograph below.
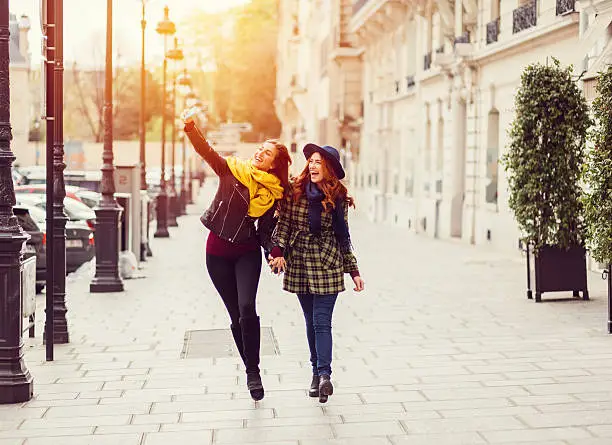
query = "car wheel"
x=39 y=288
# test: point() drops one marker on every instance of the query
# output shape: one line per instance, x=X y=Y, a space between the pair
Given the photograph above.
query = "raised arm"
x=203 y=148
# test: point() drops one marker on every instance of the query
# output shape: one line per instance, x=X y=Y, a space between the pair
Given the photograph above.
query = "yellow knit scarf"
x=264 y=188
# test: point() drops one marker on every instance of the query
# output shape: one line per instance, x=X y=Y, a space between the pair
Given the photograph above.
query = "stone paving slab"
x=442 y=348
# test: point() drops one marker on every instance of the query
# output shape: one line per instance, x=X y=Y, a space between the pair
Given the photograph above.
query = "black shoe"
x=255 y=386
x=314 y=387
x=326 y=388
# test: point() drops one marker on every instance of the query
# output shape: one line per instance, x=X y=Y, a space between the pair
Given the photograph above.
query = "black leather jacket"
x=227 y=217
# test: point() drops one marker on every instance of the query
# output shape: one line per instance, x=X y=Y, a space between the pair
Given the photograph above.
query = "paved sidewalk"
x=442 y=348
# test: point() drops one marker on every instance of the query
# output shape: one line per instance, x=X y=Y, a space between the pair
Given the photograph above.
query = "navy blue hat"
x=330 y=154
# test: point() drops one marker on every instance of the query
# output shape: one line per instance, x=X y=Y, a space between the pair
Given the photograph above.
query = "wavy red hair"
x=331 y=187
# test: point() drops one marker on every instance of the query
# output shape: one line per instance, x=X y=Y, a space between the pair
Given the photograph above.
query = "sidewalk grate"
x=220 y=343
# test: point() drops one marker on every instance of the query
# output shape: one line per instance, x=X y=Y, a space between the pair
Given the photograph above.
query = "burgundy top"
x=219 y=247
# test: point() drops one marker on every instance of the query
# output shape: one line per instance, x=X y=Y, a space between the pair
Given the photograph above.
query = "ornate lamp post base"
x=162 y=216
x=107 y=271
x=184 y=200
x=172 y=209
x=16 y=384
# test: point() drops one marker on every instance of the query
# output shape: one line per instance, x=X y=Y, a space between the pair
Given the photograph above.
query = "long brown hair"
x=282 y=161
x=331 y=187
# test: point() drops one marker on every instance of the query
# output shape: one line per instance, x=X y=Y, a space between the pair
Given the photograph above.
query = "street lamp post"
x=176 y=55
x=165 y=28
x=16 y=383
x=108 y=211
x=145 y=248
x=185 y=83
x=58 y=234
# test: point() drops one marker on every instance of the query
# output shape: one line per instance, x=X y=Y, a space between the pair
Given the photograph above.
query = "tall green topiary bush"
x=598 y=174
x=546 y=155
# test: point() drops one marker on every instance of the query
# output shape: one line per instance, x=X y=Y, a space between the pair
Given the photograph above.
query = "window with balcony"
x=427 y=58
x=524 y=17
x=493 y=25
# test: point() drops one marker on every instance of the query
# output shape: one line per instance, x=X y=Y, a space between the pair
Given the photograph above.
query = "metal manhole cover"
x=220 y=343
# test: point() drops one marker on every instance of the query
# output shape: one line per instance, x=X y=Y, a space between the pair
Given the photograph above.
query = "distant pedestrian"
x=247 y=194
x=312 y=245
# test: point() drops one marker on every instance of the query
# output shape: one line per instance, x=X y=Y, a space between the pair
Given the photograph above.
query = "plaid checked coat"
x=315 y=263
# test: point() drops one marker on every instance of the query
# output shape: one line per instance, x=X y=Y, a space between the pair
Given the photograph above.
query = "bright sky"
x=85 y=25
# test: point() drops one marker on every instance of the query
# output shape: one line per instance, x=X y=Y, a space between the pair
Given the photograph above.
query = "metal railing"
x=524 y=17
x=565 y=7
x=427 y=61
x=463 y=38
x=492 y=31
x=410 y=81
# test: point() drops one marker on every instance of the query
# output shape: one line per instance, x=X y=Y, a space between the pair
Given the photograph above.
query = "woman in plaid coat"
x=312 y=246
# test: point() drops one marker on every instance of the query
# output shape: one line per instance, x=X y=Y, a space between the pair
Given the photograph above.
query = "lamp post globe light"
x=176 y=55
x=185 y=84
x=108 y=211
x=165 y=28
x=16 y=383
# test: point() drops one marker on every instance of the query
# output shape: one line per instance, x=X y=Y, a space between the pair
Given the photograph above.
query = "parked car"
x=80 y=244
x=75 y=210
x=87 y=197
x=35 y=245
x=18 y=178
x=85 y=179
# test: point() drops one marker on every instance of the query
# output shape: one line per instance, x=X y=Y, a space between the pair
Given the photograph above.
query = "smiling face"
x=316 y=167
x=264 y=157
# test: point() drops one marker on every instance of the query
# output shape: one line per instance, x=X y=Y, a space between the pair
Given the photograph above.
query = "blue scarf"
x=315 y=197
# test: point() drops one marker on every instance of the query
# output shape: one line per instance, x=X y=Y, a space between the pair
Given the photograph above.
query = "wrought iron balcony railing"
x=492 y=31
x=565 y=7
x=463 y=38
x=410 y=82
x=358 y=4
x=524 y=17
x=427 y=61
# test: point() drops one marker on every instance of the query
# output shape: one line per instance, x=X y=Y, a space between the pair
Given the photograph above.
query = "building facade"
x=319 y=76
x=21 y=103
x=438 y=79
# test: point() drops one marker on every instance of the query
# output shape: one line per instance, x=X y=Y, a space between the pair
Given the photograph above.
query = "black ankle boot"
x=314 y=387
x=255 y=386
x=326 y=388
x=251 y=335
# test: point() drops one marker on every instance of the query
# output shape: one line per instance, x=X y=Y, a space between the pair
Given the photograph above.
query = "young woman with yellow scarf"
x=247 y=194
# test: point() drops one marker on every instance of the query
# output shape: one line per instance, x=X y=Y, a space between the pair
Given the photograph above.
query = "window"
x=492 y=156
x=440 y=155
x=427 y=157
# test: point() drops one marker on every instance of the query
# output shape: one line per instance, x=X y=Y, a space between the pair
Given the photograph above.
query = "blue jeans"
x=318 y=310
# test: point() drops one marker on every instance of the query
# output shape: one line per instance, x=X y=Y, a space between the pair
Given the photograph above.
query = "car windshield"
x=74 y=209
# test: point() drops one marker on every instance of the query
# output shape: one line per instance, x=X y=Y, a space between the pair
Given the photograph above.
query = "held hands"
x=359 y=284
x=278 y=264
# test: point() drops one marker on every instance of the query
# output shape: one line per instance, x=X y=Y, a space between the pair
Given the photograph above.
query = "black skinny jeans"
x=236 y=280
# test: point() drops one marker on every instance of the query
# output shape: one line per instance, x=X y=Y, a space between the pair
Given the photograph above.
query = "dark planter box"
x=560 y=270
